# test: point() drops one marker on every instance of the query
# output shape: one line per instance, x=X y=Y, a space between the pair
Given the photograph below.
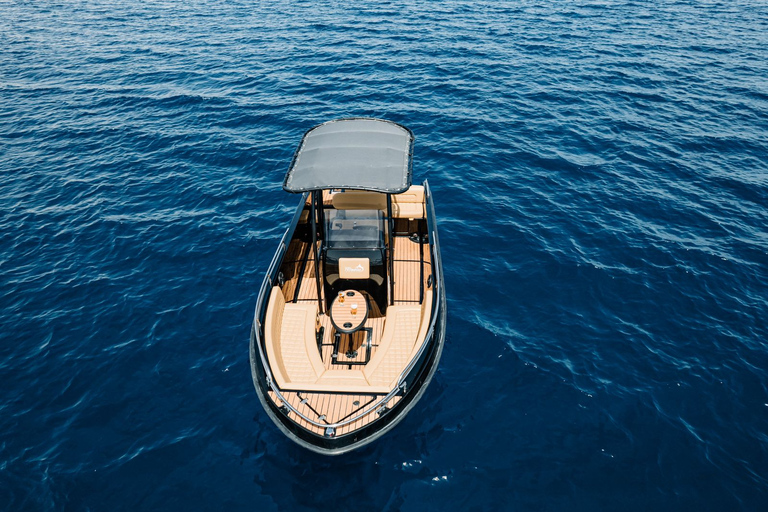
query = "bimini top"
x=360 y=154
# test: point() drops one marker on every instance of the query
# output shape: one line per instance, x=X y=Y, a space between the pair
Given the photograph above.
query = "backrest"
x=401 y=327
x=408 y=204
x=359 y=200
x=415 y=194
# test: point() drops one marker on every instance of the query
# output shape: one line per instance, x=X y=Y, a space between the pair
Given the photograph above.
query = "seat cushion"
x=401 y=329
x=289 y=336
x=408 y=210
x=407 y=205
x=298 y=345
x=359 y=200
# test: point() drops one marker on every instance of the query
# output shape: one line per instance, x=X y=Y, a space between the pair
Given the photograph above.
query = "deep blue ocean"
x=601 y=185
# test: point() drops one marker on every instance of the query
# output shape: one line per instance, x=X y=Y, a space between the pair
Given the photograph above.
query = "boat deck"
x=411 y=265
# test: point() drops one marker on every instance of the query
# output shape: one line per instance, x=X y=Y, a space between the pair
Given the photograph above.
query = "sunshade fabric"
x=362 y=154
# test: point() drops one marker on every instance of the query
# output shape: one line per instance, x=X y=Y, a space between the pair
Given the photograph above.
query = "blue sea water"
x=600 y=177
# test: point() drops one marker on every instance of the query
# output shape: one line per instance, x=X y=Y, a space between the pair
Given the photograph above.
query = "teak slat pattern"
x=328 y=408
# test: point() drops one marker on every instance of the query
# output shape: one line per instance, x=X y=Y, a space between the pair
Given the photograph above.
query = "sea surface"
x=601 y=183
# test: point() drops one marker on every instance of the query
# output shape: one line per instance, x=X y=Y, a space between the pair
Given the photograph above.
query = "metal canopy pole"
x=315 y=249
x=391 y=223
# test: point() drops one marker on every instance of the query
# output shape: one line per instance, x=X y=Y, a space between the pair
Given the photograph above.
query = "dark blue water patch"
x=601 y=188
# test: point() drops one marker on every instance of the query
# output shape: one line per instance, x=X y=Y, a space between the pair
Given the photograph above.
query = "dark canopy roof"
x=362 y=154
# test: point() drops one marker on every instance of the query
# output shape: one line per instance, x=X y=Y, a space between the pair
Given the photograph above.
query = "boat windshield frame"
x=354 y=229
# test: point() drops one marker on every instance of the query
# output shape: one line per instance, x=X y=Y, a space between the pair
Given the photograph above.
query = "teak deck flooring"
x=329 y=408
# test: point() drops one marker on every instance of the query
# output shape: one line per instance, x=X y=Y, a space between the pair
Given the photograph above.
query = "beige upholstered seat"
x=408 y=205
x=400 y=330
x=359 y=200
x=291 y=344
x=405 y=330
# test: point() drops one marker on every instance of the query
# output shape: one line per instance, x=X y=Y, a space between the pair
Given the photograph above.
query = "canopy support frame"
x=316 y=198
x=391 y=224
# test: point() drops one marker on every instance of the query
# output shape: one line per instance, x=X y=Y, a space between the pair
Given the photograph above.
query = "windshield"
x=354 y=229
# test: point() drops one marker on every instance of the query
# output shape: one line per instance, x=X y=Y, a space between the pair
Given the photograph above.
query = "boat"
x=350 y=318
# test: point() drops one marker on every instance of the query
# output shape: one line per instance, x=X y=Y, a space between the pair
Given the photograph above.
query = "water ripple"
x=601 y=184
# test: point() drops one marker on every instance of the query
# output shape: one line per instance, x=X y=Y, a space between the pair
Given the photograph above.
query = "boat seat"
x=408 y=205
x=289 y=333
x=359 y=200
x=405 y=330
